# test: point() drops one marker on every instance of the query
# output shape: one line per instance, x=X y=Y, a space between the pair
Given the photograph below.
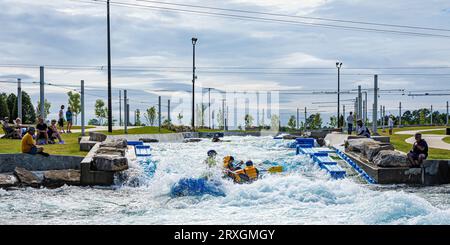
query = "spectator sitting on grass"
x=42 y=135
x=54 y=134
x=22 y=130
x=419 y=151
x=28 y=145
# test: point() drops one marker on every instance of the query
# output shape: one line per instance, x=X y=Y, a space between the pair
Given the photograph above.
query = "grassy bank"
x=70 y=148
x=398 y=140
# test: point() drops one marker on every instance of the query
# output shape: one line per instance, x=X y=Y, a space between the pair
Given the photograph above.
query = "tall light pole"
x=194 y=41
x=109 y=71
x=338 y=66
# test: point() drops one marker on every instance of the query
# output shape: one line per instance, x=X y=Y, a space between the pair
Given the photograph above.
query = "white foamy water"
x=304 y=195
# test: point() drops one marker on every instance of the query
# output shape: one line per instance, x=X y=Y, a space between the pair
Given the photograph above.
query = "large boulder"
x=111 y=151
x=389 y=158
x=358 y=145
x=95 y=136
x=114 y=143
x=372 y=149
x=58 y=178
x=110 y=163
x=8 y=180
x=27 y=178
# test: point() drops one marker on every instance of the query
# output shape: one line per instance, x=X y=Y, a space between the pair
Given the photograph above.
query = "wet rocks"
x=290 y=137
x=111 y=151
x=389 y=158
x=95 y=136
x=149 y=140
x=114 y=143
x=358 y=145
x=109 y=163
x=8 y=180
x=27 y=178
x=58 y=178
x=371 y=149
x=193 y=140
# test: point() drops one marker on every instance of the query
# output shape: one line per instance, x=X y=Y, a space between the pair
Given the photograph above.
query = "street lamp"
x=338 y=66
x=194 y=41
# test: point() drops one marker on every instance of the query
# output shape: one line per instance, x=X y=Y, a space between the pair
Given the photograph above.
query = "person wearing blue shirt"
x=69 y=120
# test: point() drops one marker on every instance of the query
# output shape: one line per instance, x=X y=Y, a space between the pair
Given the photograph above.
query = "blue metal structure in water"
x=355 y=166
x=320 y=156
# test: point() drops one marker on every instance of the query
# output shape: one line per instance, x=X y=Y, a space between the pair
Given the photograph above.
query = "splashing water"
x=303 y=195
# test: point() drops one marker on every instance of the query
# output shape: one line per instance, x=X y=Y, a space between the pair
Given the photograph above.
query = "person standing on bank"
x=69 y=120
x=61 y=120
x=391 y=125
x=350 y=121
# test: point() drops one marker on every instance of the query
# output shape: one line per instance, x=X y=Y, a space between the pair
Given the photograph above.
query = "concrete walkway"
x=433 y=140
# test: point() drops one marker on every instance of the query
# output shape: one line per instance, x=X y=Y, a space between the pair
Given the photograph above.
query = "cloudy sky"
x=152 y=50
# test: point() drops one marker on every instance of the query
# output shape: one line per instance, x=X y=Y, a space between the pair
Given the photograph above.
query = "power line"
x=263 y=19
x=297 y=16
x=157 y=68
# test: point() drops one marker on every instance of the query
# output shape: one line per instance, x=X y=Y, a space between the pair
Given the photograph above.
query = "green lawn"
x=447 y=139
x=399 y=143
x=70 y=148
x=79 y=127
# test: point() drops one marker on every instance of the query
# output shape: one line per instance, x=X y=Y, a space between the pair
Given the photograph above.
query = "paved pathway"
x=433 y=140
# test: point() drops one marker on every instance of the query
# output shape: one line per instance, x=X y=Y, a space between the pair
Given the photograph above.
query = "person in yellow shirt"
x=28 y=145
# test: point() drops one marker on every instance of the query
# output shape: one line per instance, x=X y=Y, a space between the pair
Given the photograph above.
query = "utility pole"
x=431 y=115
x=375 y=105
x=305 y=118
x=128 y=112
x=125 y=111
x=360 y=116
x=400 y=114
x=446 y=118
x=381 y=118
x=344 y=124
x=365 y=108
x=19 y=99
x=168 y=111
x=120 y=107
x=338 y=66
x=194 y=41
x=42 y=96
x=223 y=114
x=298 y=118
x=109 y=70
x=257 y=109
x=82 y=108
x=159 y=113
x=209 y=107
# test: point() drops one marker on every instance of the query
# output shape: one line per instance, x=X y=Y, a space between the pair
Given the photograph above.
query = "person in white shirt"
x=61 y=119
x=350 y=121
x=362 y=129
x=391 y=125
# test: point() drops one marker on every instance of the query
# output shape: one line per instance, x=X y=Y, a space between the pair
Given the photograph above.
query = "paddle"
x=274 y=169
